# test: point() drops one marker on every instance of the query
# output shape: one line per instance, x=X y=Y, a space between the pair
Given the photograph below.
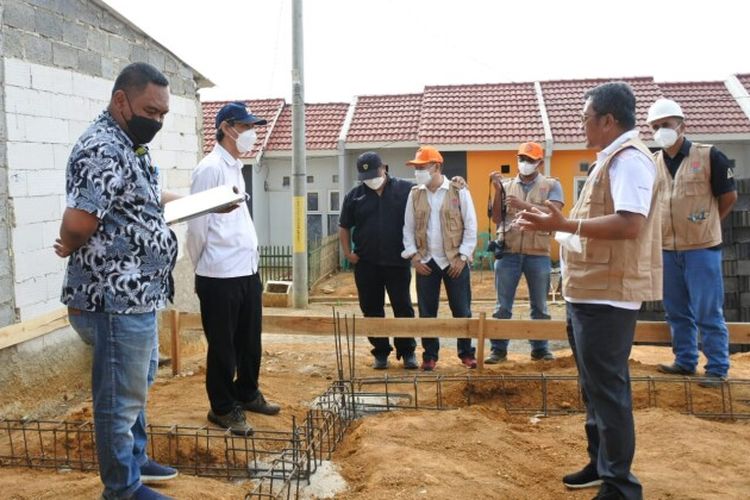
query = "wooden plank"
x=27 y=330
x=646 y=331
x=176 y=347
x=480 y=340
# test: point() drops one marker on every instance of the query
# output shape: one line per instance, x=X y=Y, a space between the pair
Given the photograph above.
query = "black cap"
x=368 y=165
x=237 y=112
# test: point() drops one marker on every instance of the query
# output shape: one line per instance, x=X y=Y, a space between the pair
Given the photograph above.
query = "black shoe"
x=584 y=478
x=380 y=363
x=496 y=357
x=608 y=492
x=233 y=421
x=712 y=381
x=544 y=355
x=260 y=405
x=410 y=361
x=675 y=369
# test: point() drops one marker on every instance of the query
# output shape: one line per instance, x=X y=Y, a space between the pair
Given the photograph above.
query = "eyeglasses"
x=585 y=117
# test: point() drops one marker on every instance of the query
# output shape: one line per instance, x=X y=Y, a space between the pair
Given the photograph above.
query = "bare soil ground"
x=477 y=451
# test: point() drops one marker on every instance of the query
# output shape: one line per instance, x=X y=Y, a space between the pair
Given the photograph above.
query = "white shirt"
x=632 y=175
x=435 y=249
x=222 y=245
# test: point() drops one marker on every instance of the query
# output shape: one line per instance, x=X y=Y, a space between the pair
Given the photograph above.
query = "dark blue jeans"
x=372 y=282
x=601 y=337
x=458 y=291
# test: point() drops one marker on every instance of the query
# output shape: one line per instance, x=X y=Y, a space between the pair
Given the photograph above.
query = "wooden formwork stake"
x=175 y=324
x=480 y=340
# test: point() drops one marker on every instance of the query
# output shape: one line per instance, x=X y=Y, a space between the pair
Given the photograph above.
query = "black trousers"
x=372 y=282
x=601 y=337
x=231 y=312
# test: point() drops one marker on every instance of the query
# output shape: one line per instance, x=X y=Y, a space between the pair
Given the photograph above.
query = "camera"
x=496 y=248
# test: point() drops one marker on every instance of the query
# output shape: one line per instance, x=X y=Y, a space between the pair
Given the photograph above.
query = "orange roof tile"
x=564 y=102
x=385 y=118
x=264 y=108
x=323 y=124
x=497 y=113
x=708 y=106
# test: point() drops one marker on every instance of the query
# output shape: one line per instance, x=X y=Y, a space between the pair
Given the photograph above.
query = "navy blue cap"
x=368 y=165
x=237 y=112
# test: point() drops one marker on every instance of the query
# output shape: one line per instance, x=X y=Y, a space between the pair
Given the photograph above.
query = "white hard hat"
x=663 y=108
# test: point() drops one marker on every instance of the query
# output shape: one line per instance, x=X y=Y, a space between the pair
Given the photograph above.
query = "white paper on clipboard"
x=195 y=205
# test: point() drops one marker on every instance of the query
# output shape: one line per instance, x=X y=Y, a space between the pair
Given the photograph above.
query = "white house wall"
x=47 y=109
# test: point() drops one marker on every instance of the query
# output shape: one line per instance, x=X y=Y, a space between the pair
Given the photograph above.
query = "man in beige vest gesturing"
x=440 y=233
x=701 y=191
x=610 y=264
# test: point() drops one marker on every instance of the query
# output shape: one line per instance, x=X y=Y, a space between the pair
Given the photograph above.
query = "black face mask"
x=141 y=129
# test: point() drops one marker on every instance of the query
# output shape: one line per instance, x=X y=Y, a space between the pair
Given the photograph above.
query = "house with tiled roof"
x=477 y=128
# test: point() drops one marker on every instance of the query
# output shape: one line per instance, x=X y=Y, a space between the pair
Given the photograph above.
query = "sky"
x=364 y=47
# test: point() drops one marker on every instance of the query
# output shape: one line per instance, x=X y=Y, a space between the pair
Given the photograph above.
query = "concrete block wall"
x=7 y=307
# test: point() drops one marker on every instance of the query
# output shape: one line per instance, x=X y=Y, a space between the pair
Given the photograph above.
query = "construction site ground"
x=476 y=451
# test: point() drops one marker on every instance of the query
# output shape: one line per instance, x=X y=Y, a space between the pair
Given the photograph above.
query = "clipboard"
x=205 y=202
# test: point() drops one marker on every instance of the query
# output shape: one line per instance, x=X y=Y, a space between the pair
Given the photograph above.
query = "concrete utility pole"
x=299 y=165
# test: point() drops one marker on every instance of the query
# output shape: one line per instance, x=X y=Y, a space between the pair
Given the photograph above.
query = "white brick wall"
x=47 y=109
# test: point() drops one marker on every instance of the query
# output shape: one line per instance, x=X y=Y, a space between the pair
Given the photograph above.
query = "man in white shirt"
x=440 y=234
x=224 y=250
x=611 y=262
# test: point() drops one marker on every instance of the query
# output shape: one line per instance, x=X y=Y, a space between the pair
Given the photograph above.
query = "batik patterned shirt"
x=125 y=267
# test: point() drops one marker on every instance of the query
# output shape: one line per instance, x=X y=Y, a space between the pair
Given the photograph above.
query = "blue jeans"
x=126 y=354
x=693 y=301
x=458 y=291
x=508 y=270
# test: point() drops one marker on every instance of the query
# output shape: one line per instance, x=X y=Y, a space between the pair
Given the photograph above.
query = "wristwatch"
x=463 y=257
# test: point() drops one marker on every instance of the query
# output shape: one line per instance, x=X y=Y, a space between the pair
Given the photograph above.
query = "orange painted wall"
x=479 y=164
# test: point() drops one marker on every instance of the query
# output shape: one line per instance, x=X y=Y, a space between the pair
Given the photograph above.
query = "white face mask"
x=246 y=140
x=375 y=183
x=569 y=241
x=423 y=177
x=665 y=137
x=527 y=167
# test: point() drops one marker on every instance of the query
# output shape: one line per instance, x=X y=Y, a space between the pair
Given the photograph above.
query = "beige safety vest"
x=451 y=222
x=526 y=242
x=616 y=270
x=689 y=209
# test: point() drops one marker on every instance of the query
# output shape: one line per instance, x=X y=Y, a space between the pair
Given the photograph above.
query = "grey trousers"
x=601 y=337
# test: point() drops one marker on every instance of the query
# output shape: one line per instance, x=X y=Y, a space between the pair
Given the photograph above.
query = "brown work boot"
x=260 y=405
x=234 y=421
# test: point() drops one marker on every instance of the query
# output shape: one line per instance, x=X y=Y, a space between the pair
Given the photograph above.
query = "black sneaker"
x=712 y=381
x=380 y=362
x=260 y=405
x=233 y=421
x=584 y=478
x=410 y=361
x=145 y=493
x=545 y=355
x=608 y=492
x=496 y=357
x=675 y=369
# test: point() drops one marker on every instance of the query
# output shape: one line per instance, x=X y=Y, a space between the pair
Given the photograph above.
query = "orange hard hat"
x=531 y=149
x=426 y=154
